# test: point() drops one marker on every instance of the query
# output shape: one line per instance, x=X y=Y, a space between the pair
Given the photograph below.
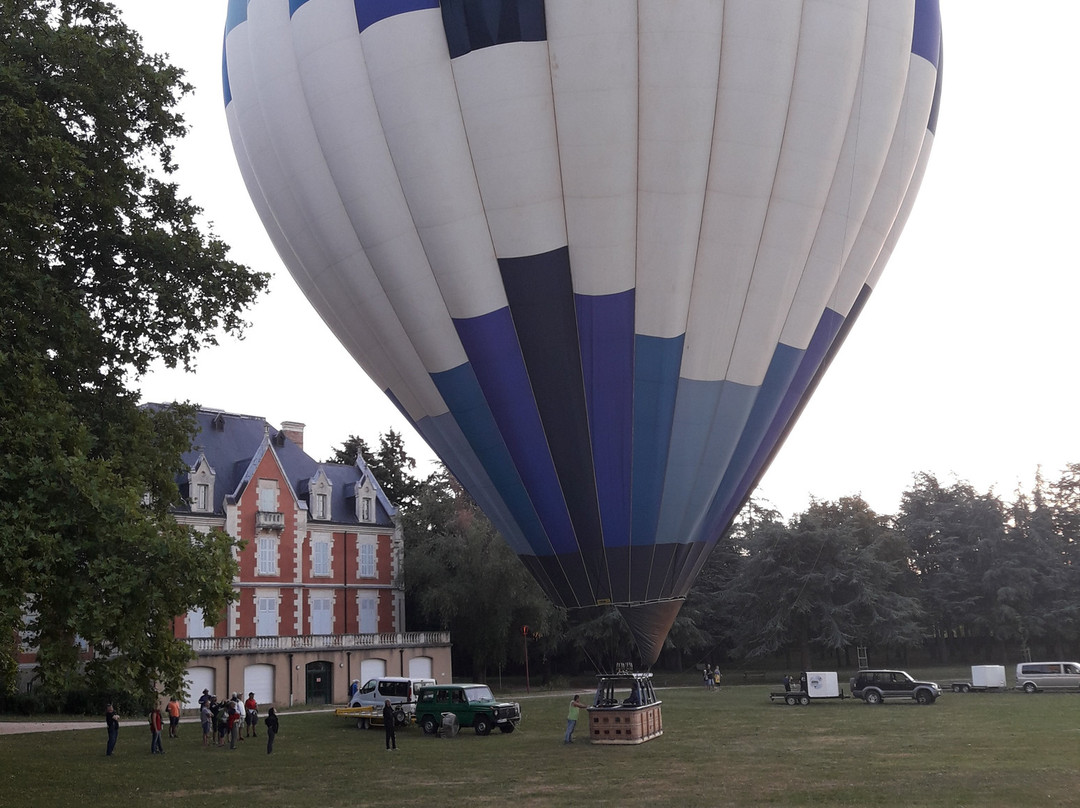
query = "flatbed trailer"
x=367 y=717
x=813 y=686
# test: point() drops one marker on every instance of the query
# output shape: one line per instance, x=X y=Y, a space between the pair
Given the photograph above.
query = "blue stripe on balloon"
x=656 y=377
x=369 y=12
x=491 y=344
x=474 y=24
x=606 y=335
x=926 y=35
x=461 y=392
x=294 y=5
x=932 y=123
x=235 y=14
x=226 y=88
x=709 y=418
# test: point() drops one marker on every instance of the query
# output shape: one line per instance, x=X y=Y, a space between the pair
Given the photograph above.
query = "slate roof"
x=234 y=444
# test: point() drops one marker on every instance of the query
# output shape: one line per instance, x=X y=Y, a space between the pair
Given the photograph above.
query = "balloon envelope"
x=597 y=251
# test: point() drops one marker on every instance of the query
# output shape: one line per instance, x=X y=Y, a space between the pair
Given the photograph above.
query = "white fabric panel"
x=826 y=73
x=894 y=187
x=593 y=50
x=307 y=211
x=509 y=115
x=679 y=70
x=878 y=97
x=338 y=93
x=757 y=65
x=413 y=84
x=905 y=210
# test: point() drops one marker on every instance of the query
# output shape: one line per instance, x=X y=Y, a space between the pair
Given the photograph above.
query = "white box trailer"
x=983 y=678
x=811 y=686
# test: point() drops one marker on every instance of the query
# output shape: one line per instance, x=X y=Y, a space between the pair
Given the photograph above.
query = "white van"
x=399 y=689
x=1032 y=676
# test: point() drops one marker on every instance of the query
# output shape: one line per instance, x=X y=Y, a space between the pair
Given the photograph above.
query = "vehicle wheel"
x=482 y=725
x=965 y=688
x=1029 y=687
x=872 y=697
x=361 y=723
x=506 y=728
x=804 y=699
x=429 y=725
x=790 y=700
x=400 y=718
x=924 y=697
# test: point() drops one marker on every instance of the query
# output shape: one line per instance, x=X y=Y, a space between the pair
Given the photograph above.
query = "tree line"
x=956 y=575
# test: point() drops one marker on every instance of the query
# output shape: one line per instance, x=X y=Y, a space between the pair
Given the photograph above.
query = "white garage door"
x=259 y=679
x=197 y=679
x=420 y=668
x=372 y=669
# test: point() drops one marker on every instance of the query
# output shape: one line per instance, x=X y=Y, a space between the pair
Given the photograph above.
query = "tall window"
x=268 y=495
x=367 y=561
x=369 y=618
x=267 y=555
x=320 y=564
x=196 y=624
x=320 y=506
x=202 y=497
x=266 y=616
x=365 y=509
x=322 y=616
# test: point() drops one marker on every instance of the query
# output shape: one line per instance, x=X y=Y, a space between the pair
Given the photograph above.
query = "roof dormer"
x=320 y=490
x=201 y=486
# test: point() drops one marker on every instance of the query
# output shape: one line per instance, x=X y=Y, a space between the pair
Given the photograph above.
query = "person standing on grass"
x=155 y=731
x=388 y=723
x=234 y=724
x=271 y=729
x=206 y=718
x=173 y=709
x=572 y=719
x=112 y=724
x=251 y=716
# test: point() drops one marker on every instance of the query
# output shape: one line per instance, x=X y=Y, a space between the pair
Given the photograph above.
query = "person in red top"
x=155 y=732
x=251 y=715
x=233 y=723
x=173 y=709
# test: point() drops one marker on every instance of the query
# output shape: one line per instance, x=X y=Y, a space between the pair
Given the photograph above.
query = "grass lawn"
x=728 y=748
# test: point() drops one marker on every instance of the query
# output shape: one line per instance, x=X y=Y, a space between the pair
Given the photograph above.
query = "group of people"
x=224 y=718
x=711 y=677
x=217 y=718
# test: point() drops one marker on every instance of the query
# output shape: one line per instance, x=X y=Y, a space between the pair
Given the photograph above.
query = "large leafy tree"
x=392 y=465
x=104 y=268
x=826 y=580
x=461 y=576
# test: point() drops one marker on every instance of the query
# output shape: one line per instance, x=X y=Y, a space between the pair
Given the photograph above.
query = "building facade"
x=320 y=596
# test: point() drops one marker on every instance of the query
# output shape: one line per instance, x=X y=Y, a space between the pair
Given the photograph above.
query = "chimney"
x=294 y=431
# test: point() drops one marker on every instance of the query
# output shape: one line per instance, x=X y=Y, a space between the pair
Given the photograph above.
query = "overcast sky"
x=962 y=364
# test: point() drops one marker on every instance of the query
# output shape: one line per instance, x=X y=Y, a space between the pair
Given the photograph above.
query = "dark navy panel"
x=492 y=347
x=369 y=12
x=926 y=35
x=474 y=24
x=606 y=334
x=541 y=297
x=294 y=5
x=568 y=576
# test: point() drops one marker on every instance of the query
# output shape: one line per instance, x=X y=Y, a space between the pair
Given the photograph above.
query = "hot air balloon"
x=598 y=252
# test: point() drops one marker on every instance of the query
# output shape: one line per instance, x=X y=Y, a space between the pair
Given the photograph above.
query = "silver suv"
x=875 y=686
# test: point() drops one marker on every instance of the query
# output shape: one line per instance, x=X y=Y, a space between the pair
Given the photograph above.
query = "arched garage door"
x=421 y=668
x=197 y=680
x=259 y=679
